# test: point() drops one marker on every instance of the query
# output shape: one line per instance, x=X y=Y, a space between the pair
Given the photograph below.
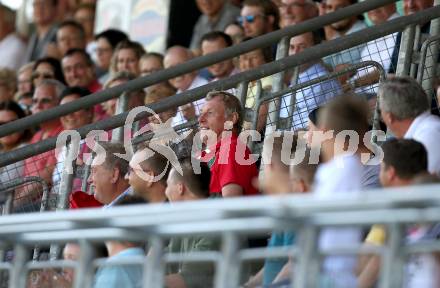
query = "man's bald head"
x=177 y=55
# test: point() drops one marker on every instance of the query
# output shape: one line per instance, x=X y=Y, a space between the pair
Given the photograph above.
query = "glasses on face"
x=41 y=101
x=36 y=75
x=248 y=18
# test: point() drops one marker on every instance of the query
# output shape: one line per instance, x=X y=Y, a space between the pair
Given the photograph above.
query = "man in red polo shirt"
x=231 y=173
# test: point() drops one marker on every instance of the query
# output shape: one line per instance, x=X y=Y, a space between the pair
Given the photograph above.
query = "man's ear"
x=388 y=117
x=390 y=173
x=115 y=175
x=181 y=188
x=234 y=118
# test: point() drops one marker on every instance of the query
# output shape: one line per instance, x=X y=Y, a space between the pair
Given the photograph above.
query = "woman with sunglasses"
x=47 y=68
x=11 y=111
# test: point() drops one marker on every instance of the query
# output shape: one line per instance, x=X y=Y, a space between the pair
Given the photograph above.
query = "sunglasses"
x=41 y=101
x=248 y=18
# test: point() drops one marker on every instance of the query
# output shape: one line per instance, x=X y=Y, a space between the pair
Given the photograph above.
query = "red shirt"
x=35 y=164
x=228 y=169
x=98 y=111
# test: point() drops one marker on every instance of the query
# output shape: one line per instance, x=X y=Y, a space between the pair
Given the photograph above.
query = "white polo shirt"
x=426 y=129
x=342 y=176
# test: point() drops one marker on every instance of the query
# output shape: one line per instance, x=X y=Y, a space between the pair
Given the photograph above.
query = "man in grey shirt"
x=216 y=15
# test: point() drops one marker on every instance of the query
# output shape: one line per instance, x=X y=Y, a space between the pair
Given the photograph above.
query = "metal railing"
x=310 y=54
x=195 y=64
x=229 y=220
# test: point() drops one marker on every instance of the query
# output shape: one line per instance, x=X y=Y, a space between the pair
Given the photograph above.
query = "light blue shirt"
x=310 y=97
x=117 y=276
x=272 y=267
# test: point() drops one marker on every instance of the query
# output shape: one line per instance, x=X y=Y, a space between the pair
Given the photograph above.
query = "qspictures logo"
x=206 y=141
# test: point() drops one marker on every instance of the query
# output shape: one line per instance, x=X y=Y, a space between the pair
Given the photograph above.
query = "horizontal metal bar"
x=5 y=266
x=193 y=257
x=127 y=260
x=421 y=196
x=37 y=265
x=318 y=51
x=95 y=234
x=268 y=253
x=192 y=65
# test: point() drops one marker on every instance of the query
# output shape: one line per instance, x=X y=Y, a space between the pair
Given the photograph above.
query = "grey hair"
x=232 y=104
x=403 y=97
x=59 y=87
x=111 y=160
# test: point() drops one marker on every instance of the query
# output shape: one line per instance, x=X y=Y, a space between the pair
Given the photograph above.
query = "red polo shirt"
x=98 y=110
x=227 y=170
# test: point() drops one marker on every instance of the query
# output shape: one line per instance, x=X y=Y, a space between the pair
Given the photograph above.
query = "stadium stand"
x=216 y=159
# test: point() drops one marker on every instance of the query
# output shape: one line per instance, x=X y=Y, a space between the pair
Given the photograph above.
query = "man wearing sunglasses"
x=258 y=17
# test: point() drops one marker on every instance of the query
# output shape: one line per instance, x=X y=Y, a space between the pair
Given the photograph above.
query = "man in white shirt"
x=340 y=176
x=12 y=48
x=405 y=108
x=178 y=55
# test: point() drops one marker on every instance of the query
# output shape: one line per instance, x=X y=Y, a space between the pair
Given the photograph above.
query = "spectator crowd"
x=64 y=60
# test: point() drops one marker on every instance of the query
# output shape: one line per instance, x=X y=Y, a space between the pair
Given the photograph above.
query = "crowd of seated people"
x=63 y=60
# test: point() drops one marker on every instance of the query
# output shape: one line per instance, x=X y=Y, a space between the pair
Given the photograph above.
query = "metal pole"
x=228 y=272
x=301 y=275
x=416 y=46
x=18 y=273
x=392 y=261
x=193 y=65
x=242 y=90
x=376 y=116
x=273 y=113
x=121 y=107
x=84 y=272
x=66 y=185
x=308 y=55
x=292 y=104
x=406 y=51
x=154 y=274
x=431 y=59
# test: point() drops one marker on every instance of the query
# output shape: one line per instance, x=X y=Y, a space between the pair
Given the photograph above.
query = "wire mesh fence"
x=316 y=86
